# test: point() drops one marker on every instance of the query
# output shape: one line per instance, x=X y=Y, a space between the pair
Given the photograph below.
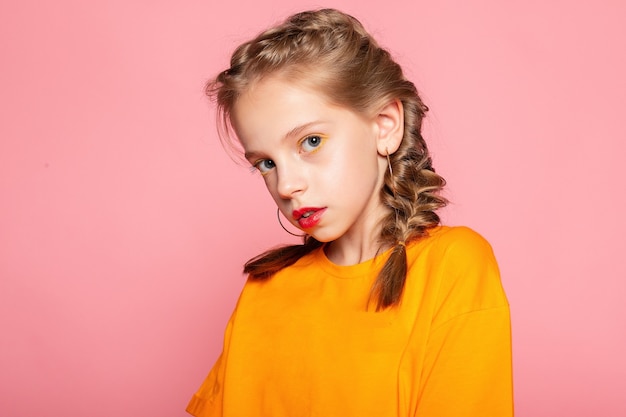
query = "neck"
x=358 y=245
x=361 y=242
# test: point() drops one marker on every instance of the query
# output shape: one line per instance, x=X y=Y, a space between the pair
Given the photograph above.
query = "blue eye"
x=311 y=143
x=265 y=165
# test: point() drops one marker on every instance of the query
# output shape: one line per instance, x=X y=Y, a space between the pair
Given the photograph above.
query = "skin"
x=312 y=153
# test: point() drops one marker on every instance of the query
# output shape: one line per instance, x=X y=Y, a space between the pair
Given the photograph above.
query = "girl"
x=381 y=311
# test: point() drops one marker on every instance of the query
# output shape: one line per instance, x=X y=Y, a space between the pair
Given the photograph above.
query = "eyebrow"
x=296 y=131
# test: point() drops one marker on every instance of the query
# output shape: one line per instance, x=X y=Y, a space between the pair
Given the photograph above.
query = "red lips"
x=308 y=217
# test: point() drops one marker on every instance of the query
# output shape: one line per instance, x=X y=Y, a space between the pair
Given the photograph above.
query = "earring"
x=389 y=164
x=393 y=185
x=284 y=228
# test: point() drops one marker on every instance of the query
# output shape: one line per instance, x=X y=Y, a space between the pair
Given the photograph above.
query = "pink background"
x=124 y=225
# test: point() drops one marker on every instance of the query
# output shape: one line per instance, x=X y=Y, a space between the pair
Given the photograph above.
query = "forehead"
x=277 y=89
x=274 y=105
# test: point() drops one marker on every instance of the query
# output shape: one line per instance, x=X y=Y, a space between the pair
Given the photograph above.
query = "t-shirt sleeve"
x=208 y=400
x=467 y=366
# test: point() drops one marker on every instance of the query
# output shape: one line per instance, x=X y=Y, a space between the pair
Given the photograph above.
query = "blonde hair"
x=332 y=52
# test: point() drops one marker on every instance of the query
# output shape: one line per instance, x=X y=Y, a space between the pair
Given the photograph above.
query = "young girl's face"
x=322 y=164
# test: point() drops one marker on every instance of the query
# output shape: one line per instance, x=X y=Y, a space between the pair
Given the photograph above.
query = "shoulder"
x=457 y=243
x=458 y=265
x=458 y=236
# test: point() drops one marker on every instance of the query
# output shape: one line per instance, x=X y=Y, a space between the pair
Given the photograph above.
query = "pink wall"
x=123 y=225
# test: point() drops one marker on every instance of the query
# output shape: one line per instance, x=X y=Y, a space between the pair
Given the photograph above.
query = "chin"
x=324 y=237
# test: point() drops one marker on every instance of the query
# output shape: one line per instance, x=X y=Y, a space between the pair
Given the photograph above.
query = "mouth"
x=308 y=217
x=304 y=212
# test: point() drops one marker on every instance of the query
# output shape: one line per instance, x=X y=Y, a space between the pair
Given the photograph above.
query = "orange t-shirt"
x=303 y=344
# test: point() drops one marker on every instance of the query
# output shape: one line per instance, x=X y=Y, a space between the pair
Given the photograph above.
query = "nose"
x=291 y=181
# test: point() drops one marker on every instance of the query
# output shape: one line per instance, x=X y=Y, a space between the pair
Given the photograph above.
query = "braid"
x=411 y=191
x=268 y=263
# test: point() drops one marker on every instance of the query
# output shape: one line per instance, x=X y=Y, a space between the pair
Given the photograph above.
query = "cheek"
x=270 y=185
x=271 y=188
x=357 y=164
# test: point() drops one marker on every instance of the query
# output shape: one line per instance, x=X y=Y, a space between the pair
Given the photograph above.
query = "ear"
x=390 y=127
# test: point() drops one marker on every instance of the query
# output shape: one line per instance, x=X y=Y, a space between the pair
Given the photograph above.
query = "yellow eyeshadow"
x=255 y=167
x=317 y=148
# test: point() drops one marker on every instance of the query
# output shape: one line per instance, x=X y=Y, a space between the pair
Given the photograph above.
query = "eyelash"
x=322 y=139
x=258 y=164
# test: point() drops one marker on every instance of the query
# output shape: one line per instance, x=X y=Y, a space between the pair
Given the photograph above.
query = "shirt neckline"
x=365 y=268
